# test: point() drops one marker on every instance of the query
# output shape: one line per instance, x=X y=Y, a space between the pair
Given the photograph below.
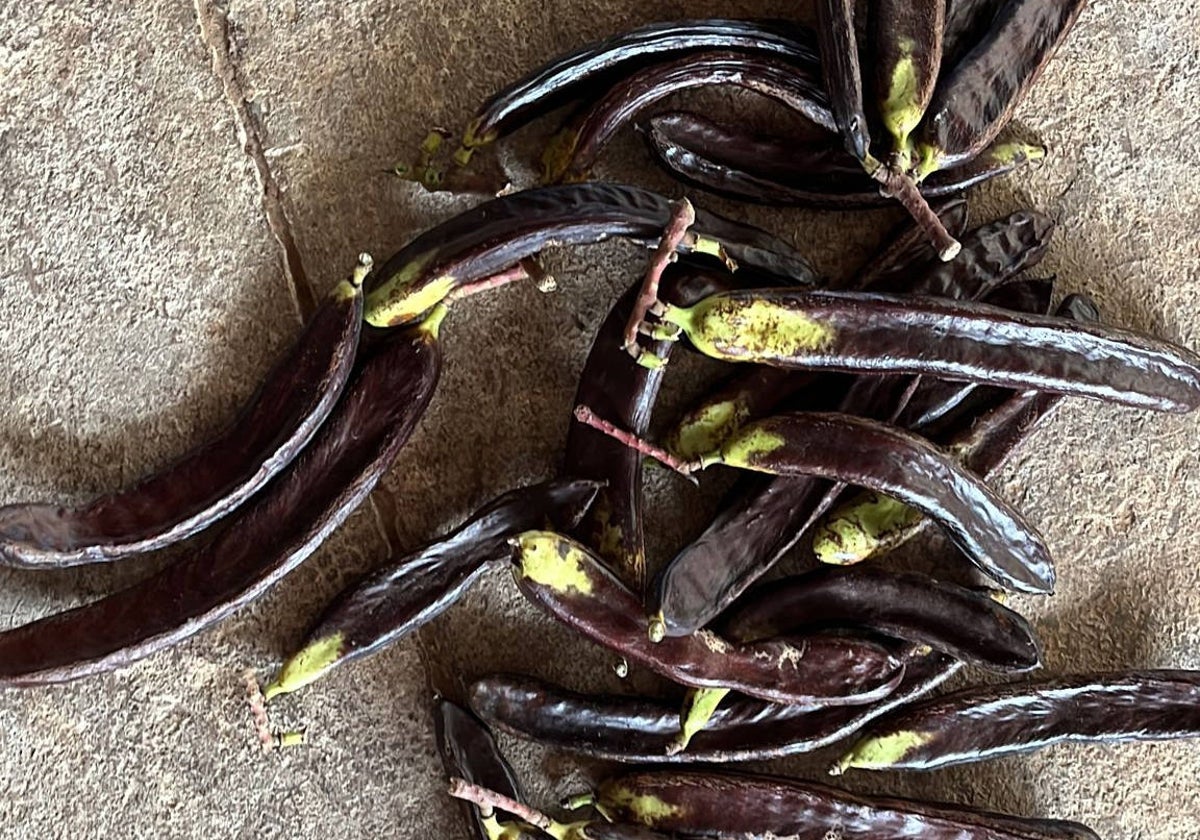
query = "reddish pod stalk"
x=683 y=216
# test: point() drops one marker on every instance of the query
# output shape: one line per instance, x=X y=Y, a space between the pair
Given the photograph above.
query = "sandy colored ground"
x=144 y=291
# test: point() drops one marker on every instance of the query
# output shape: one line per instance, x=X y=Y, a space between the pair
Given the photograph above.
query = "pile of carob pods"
x=867 y=408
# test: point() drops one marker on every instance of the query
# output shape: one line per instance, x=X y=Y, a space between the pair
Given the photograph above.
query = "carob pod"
x=991 y=721
x=395 y=600
x=498 y=234
x=870 y=454
x=869 y=523
x=568 y=581
x=906 y=41
x=637 y=729
x=869 y=333
x=573 y=151
x=843 y=76
x=265 y=539
x=214 y=478
x=469 y=752
x=733 y=806
x=737 y=164
x=591 y=69
x=967 y=22
x=768 y=518
x=976 y=99
x=964 y=623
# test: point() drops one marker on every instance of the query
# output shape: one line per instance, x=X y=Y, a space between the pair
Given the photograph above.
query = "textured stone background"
x=144 y=291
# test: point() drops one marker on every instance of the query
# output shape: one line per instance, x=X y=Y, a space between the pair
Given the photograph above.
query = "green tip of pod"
x=306 y=666
x=748 y=447
x=553 y=561
x=862 y=528
x=432 y=324
x=406 y=296
x=698 y=709
x=705 y=430
x=879 y=753
x=557 y=156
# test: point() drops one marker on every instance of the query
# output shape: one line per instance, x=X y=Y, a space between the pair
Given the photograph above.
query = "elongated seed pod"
x=641 y=729
x=907 y=51
x=571 y=154
x=886 y=459
x=565 y=579
x=961 y=622
x=976 y=99
x=991 y=721
x=259 y=544
x=743 y=807
x=500 y=233
x=470 y=752
x=213 y=479
x=591 y=69
x=843 y=74
x=962 y=341
x=395 y=600
x=777 y=171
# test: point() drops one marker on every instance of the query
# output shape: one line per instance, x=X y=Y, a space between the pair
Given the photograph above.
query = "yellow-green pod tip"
x=553 y=561
x=307 y=665
x=432 y=324
x=749 y=445
x=705 y=430
x=390 y=306
x=645 y=808
x=657 y=630
x=879 y=753
x=698 y=709
x=472 y=139
x=558 y=154
x=929 y=160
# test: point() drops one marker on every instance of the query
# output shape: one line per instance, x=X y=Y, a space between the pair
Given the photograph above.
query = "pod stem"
x=683 y=216
x=501 y=278
x=488 y=801
x=904 y=189
x=585 y=415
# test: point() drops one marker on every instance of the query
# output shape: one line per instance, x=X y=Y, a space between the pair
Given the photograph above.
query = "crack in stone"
x=214 y=33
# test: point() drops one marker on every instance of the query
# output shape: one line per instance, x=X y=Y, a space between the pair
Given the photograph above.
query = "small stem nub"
x=683 y=216
x=585 y=415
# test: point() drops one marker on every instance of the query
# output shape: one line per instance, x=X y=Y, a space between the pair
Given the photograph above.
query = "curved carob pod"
x=906 y=41
x=997 y=720
x=735 y=806
x=875 y=333
x=951 y=619
x=870 y=454
x=393 y=601
x=498 y=234
x=394 y=379
x=590 y=70
x=216 y=477
x=976 y=99
x=469 y=752
x=840 y=67
x=738 y=164
x=637 y=729
x=573 y=151
x=568 y=581
x=769 y=518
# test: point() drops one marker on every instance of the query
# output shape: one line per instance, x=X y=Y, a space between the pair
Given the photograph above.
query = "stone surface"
x=144 y=291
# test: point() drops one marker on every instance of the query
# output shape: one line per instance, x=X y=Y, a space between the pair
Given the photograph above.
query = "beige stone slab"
x=142 y=296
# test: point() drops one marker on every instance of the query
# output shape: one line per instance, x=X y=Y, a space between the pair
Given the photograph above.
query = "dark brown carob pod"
x=734 y=806
x=906 y=41
x=964 y=623
x=263 y=541
x=496 y=235
x=632 y=729
x=588 y=71
x=469 y=751
x=566 y=580
x=395 y=600
x=843 y=76
x=216 y=477
x=991 y=721
x=574 y=150
x=977 y=97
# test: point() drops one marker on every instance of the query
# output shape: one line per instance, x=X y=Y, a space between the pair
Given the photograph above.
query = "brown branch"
x=585 y=415
x=683 y=216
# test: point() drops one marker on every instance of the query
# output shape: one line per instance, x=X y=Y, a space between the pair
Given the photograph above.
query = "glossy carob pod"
x=870 y=333
x=976 y=98
x=469 y=751
x=588 y=71
x=964 y=623
x=574 y=150
x=967 y=22
x=738 y=164
x=644 y=729
x=906 y=48
x=393 y=601
x=216 y=477
x=394 y=380
x=770 y=516
x=838 y=46
x=498 y=234
x=568 y=581
x=986 y=722
x=733 y=806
